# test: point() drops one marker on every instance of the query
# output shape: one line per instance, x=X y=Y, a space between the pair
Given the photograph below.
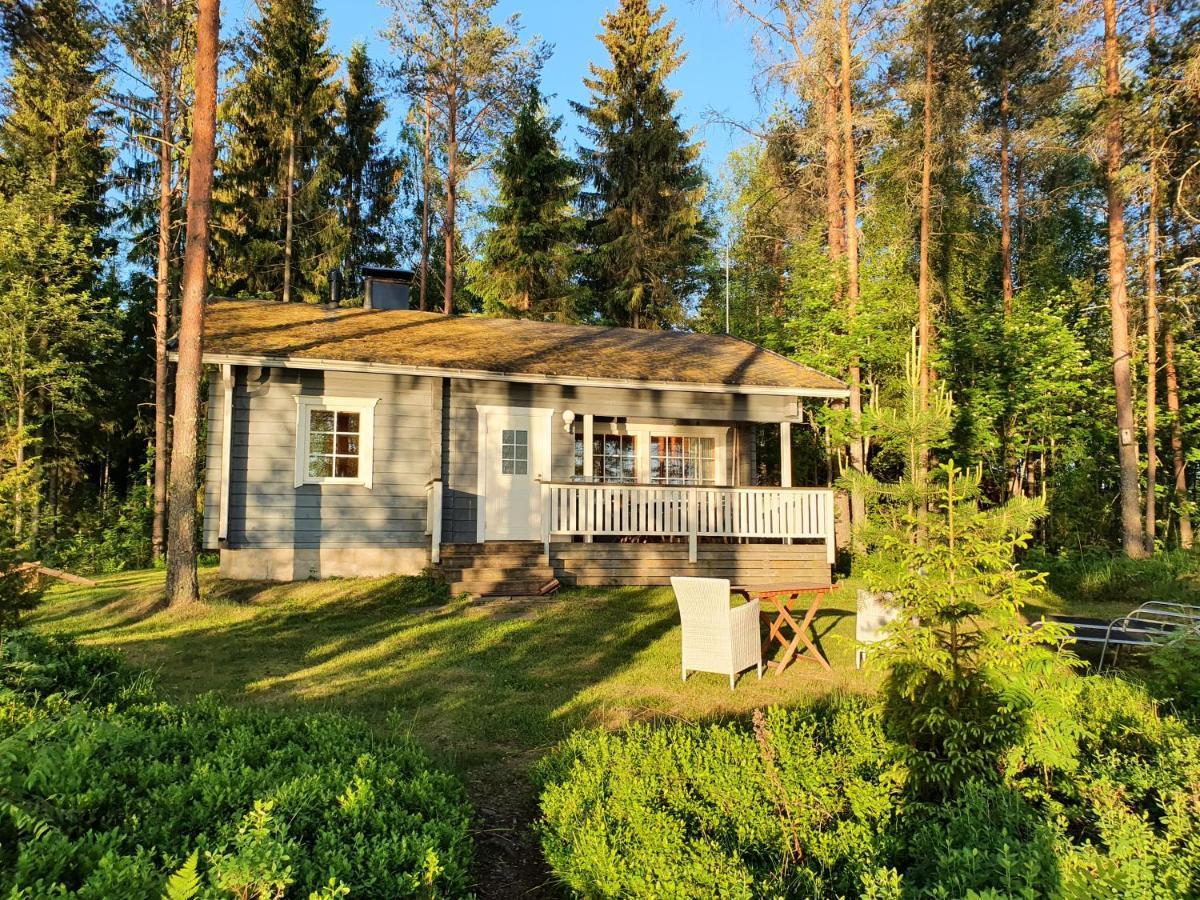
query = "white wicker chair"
x=875 y=614
x=716 y=637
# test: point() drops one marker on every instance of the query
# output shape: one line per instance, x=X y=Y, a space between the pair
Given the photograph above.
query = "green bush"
x=793 y=806
x=112 y=534
x=105 y=793
x=1101 y=797
x=1106 y=578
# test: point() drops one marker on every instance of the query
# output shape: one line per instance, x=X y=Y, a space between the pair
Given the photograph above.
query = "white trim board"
x=337 y=365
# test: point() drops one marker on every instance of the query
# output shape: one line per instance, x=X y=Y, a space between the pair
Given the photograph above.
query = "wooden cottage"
x=364 y=441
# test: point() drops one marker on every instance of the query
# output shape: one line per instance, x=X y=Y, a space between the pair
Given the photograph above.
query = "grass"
x=489 y=687
x=486 y=687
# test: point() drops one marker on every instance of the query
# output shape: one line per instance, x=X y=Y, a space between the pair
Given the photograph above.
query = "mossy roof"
x=299 y=332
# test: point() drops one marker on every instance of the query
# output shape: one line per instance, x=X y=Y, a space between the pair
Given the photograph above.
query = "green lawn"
x=487 y=687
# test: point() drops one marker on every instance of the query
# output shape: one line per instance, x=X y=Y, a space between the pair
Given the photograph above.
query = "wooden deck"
x=611 y=564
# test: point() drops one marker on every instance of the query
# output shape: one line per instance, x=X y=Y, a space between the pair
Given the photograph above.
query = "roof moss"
x=299 y=331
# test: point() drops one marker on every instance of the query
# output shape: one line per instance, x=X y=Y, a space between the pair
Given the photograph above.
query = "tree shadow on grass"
x=487 y=688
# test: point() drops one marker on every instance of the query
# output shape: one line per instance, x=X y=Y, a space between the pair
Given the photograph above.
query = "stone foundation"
x=284 y=564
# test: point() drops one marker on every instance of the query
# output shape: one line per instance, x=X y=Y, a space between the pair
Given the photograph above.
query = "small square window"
x=334 y=441
x=514 y=452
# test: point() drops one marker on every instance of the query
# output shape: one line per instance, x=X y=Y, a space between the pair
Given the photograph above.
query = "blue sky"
x=717 y=75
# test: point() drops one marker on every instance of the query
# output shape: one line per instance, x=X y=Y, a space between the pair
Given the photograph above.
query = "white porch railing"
x=433 y=519
x=685 y=511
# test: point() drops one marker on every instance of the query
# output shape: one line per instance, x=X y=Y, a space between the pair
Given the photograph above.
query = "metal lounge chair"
x=1153 y=623
x=716 y=637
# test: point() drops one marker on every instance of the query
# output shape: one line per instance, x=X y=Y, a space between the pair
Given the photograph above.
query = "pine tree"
x=469 y=73
x=646 y=235
x=529 y=254
x=369 y=176
x=277 y=229
x=157 y=37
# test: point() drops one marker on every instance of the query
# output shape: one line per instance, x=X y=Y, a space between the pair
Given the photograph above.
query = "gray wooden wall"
x=267 y=511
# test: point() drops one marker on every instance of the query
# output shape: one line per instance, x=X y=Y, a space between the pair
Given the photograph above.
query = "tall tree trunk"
x=290 y=194
x=1005 y=191
x=834 y=208
x=182 y=583
x=1132 y=539
x=451 y=195
x=924 y=329
x=425 y=208
x=1152 y=359
x=158 y=533
x=858 y=509
x=1178 y=460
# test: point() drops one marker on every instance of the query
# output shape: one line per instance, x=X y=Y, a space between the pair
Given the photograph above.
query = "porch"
x=637 y=534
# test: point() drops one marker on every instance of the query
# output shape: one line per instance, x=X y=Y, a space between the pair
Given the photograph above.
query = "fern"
x=184 y=884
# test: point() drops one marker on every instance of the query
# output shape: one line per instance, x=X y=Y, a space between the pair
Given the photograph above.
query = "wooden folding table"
x=782 y=596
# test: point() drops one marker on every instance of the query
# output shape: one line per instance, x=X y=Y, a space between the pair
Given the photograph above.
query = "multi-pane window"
x=514 y=451
x=681 y=459
x=333 y=444
x=333 y=440
x=614 y=458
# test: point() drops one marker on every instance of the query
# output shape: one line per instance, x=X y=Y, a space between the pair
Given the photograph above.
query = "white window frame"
x=642 y=432
x=365 y=408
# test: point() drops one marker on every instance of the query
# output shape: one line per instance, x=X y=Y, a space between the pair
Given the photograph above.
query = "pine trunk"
x=451 y=195
x=1151 y=526
x=425 y=210
x=924 y=328
x=1132 y=538
x=858 y=508
x=1178 y=460
x=290 y=194
x=1005 y=212
x=834 y=210
x=158 y=534
x=182 y=583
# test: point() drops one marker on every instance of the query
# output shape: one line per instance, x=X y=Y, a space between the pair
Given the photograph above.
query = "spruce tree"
x=646 y=235
x=54 y=322
x=369 y=175
x=277 y=230
x=529 y=254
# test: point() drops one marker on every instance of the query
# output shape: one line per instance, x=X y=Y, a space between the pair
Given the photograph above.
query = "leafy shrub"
x=794 y=806
x=427 y=588
x=1100 y=577
x=115 y=799
x=1173 y=676
x=110 y=535
x=34 y=666
x=1100 y=798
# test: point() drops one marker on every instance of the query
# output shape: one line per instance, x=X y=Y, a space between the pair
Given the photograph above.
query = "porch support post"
x=785 y=454
x=785 y=460
x=227 y=376
x=589 y=423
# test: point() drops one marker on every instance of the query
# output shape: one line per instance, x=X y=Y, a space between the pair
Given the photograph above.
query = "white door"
x=514 y=455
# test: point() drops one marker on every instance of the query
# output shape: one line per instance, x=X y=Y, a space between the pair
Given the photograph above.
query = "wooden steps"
x=498 y=569
x=521 y=568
